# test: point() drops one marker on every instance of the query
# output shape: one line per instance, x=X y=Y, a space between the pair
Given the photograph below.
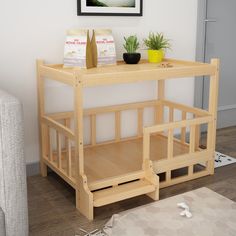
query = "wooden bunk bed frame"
x=103 y=173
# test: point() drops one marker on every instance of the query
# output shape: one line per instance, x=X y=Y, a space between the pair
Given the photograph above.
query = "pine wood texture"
x=121 y=168
x=123 y=73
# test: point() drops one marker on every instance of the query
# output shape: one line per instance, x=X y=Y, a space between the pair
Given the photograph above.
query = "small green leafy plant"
x=131 y=44
x=157 y=41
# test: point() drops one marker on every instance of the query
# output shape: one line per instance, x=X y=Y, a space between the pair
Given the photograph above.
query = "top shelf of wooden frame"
x=122 y=73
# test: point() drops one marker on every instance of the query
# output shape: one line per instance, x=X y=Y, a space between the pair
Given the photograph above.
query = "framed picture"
x=110 y=7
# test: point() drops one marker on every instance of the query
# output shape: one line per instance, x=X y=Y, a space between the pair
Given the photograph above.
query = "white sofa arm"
x=13 y=193
x=2 y=223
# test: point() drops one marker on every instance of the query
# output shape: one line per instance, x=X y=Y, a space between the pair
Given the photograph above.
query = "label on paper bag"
x=106 y=51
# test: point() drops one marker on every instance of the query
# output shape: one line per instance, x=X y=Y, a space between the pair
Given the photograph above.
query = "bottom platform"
x=116 y=159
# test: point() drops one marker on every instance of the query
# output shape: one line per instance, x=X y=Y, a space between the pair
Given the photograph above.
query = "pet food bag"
x=77 y=51
x=103 y=48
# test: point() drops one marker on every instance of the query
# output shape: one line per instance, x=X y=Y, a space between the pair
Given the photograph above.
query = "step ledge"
x=122 y=192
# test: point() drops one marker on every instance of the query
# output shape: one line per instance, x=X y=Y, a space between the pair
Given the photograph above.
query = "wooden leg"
x=152 y=178
x=44 y=169
x=154 y=195
x=84 y=199
x=211 y=165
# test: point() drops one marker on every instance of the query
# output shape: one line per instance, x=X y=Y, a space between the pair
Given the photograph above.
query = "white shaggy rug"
x=212 y=215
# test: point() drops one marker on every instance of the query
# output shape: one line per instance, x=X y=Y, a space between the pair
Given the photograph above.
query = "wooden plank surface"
x=123 y=73
x=117 y=159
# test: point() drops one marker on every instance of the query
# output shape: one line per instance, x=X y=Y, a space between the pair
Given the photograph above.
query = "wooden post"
x=140 y=122
x=170 y=151
x=117 y=126
x=93 y=129
x=160 y=107
x=146 y=146
x=40 y=84
x=213 y=109
x=183 y=130
x=192 y=144
x=84 y=198
x=58 y=150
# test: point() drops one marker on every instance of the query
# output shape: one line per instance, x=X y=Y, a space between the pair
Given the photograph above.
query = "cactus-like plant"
x=131 y=44
x=157 y=41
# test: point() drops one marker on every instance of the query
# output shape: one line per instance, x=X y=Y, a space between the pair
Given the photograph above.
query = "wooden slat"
x=58 y=150
x=121 y=192
x=117 y=126
x=146 y=146
x=181 y=161
x=182 y=179
x=57 y=126
x=171 y=114
x=160 y=97
x=170 y=148
x=68 y=158
x=192 y=146
x=67 y=123
x=168 y=176
x=118 y=108
x=93 y=129
x=183 y=129
x=170 y=145
x=130 y=106
x=186 y=108
x=61 y=115
x=178 y=124
x=103 y=183
x=197 y=136
x=50 y=151
x=140 y=122
x=192 y=139
x=45 y=142
x=106 y=109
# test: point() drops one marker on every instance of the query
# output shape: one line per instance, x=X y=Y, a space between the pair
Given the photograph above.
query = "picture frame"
x=109 y=7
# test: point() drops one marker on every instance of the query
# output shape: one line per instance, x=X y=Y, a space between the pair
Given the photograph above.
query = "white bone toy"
x=186 y=212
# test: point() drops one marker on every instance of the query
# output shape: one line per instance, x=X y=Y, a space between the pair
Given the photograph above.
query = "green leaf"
x=157 y=41
x=131 y=44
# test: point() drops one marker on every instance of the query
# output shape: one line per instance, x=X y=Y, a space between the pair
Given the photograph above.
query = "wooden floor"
x=52 y=202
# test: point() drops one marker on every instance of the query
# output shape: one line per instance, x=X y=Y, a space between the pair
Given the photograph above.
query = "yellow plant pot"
x=155 y=56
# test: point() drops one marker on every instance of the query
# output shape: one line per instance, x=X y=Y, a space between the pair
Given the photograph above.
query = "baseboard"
x=32 y=169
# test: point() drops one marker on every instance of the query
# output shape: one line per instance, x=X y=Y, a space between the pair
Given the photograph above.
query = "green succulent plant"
x=157 y=41
x=131 y=44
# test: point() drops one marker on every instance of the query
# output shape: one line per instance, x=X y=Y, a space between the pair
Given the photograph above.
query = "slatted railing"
x=188 y=160
x=58 y=151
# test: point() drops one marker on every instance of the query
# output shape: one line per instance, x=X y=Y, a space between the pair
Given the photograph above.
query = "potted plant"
x=156 y=44
x=131 y=46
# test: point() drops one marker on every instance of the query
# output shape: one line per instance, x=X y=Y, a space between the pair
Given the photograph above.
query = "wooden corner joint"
x=78 y=79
